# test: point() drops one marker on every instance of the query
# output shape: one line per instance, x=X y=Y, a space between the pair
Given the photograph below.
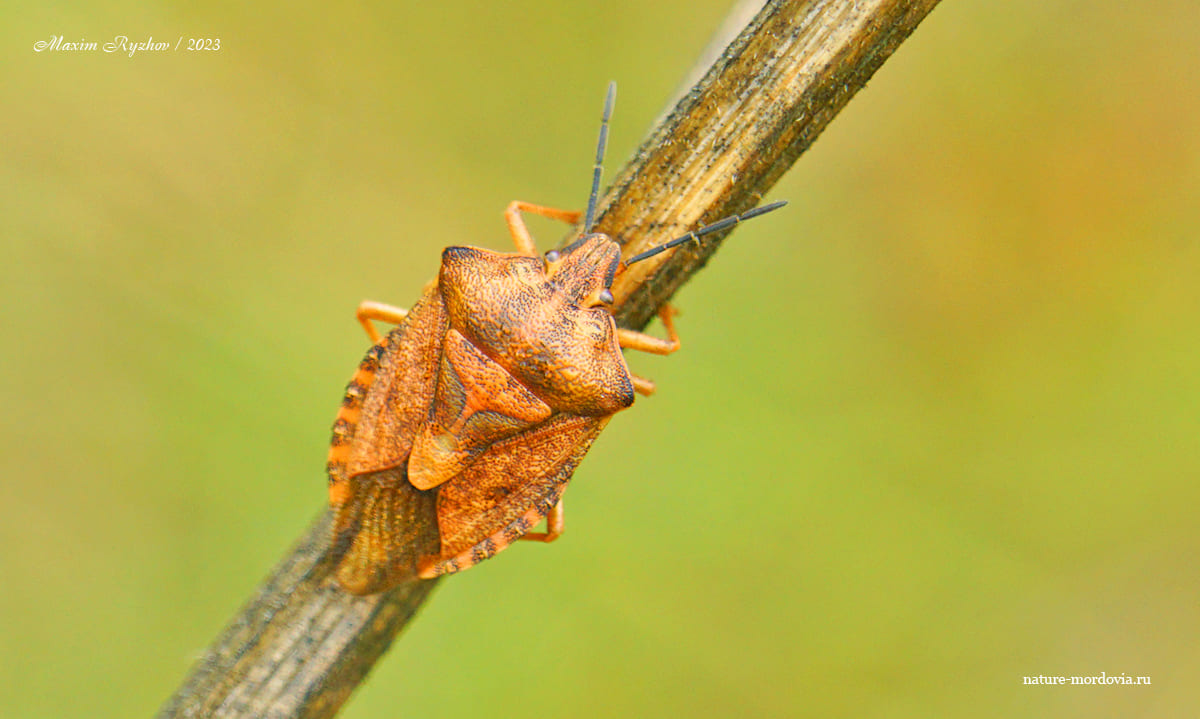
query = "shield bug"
x=463 y=424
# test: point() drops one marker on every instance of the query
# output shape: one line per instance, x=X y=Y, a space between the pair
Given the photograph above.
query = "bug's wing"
x=401 y=393
x=386 y=528
x=507 y=490
x=383 y=524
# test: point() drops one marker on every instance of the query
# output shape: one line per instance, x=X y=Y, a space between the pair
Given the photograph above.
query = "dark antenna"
x=695 y=235
x=598 y=167
x=590 y=216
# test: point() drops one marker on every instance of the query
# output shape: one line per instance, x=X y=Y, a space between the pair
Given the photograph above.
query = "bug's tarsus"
x=695 y=235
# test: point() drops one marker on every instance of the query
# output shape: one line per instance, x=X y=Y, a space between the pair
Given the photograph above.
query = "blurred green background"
x=934 y=427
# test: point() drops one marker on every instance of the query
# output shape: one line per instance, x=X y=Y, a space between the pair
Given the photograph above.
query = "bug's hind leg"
x=369 y=310
x=629 y=339
x=554 y=525
x=520 y=233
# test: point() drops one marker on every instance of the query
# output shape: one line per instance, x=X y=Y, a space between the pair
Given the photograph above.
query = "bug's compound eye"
x=552 y=256
x=603 y=296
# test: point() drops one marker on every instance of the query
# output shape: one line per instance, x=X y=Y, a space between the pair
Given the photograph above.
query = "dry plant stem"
x=301 y=645
x=761 y=105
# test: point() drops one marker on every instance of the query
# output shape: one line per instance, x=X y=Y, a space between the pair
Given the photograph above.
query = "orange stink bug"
x=463 y=424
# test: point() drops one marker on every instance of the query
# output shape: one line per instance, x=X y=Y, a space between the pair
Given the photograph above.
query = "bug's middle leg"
x=520 y=233
x=630 y=339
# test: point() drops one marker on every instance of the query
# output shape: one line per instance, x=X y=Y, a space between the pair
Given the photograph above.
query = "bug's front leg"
x=554 y=526
x=629 y=339
x=369 y=310
x=520 y=233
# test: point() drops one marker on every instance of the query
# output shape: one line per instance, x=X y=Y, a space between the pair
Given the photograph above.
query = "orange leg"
x=641 y=385
x=554 y=526
x=369 y=310
x=655 y=345
x=629 y=339
x=520 y=234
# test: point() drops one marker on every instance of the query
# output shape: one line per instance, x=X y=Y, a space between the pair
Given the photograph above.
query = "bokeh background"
x=934 y=427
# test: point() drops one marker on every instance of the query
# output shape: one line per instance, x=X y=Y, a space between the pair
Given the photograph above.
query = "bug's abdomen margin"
x=346 y=424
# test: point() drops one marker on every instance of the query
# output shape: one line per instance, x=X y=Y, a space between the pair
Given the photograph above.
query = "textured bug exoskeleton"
x=462 y=426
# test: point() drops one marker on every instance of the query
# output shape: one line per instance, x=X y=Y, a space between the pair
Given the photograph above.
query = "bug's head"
x=585 y=269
